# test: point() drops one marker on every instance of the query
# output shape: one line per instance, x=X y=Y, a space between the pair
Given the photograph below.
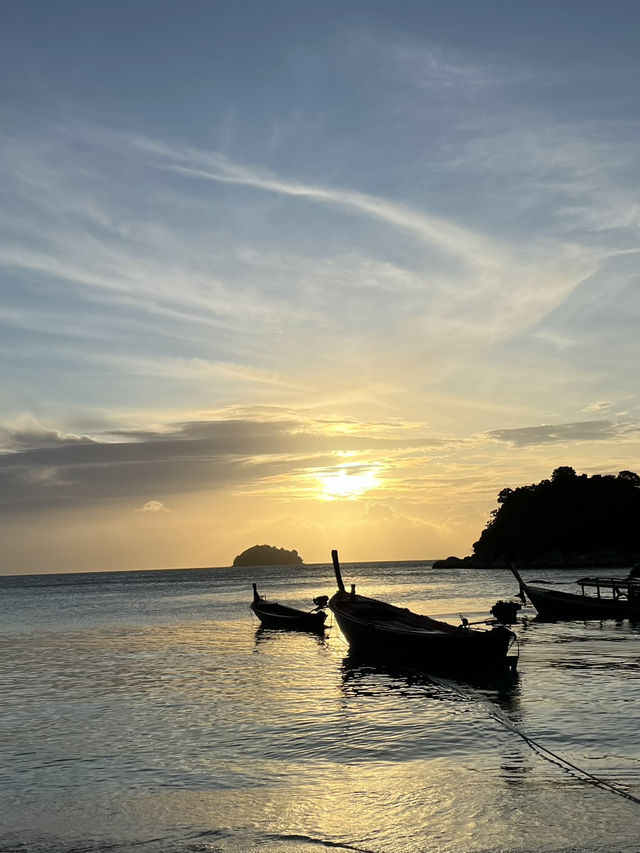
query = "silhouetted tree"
x=569 y=515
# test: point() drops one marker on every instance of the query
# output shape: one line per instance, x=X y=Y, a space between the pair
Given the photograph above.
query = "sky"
x=317 y=275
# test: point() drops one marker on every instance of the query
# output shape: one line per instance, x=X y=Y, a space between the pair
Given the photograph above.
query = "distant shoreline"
x=431 y=563
x=569 y=564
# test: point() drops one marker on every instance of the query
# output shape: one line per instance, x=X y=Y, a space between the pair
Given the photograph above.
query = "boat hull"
x=273 y=615
x=552 y=604
x=423 y=643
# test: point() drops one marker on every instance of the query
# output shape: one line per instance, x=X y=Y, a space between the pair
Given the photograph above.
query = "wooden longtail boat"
x=383 y=630
x=615 y=598
x=274 y=615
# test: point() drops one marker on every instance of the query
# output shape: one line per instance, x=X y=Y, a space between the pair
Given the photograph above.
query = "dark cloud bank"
x=558 y=433
x=45 y=470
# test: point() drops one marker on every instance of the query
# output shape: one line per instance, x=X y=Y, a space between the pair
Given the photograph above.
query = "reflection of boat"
x=383 y=630
x=274 y=615
x=615 y=598
x=366 y=677
x=265 y=638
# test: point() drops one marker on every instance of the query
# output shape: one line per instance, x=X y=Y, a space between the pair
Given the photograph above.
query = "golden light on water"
x=347 y=482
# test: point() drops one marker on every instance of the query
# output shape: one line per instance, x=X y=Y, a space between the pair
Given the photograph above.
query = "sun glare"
x=346 y=483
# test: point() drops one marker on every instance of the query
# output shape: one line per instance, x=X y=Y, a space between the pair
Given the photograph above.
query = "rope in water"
x=542 y=751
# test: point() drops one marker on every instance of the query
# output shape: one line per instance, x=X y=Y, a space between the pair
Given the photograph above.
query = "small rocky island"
x=570 y=520
x=268 y=555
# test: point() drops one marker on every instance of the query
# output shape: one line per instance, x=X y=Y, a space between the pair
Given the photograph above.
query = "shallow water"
x=147 y=711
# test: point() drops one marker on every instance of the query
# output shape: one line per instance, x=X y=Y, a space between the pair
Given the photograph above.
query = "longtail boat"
x=614 y=598
x=274 y=615
x=373 y=627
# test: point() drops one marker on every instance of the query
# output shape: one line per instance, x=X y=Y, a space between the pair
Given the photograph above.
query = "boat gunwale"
x=431 y=627
x=274 y=608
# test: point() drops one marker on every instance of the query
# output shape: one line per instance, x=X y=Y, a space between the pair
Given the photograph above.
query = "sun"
x=347 y=482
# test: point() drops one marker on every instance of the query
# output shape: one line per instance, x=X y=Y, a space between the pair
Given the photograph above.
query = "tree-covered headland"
x=570 y=519
x=268 y=555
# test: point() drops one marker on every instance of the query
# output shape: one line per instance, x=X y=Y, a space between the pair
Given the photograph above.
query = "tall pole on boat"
x=522 y=584
x=336 y=568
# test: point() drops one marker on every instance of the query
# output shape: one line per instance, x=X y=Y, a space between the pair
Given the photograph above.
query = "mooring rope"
x=543 y=751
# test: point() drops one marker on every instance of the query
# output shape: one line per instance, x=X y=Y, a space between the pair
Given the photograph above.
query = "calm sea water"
x=145 y=711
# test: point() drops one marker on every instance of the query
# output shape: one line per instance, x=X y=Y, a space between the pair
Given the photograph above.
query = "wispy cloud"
x=599 y=406
x=495 y=289
x=152 y=507
x=445 y=235
x=559 y=433
x=433 y=68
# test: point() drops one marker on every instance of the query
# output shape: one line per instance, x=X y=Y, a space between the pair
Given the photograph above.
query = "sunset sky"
x=313 y=274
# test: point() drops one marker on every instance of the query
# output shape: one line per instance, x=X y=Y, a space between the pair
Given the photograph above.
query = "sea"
x=147 y=711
